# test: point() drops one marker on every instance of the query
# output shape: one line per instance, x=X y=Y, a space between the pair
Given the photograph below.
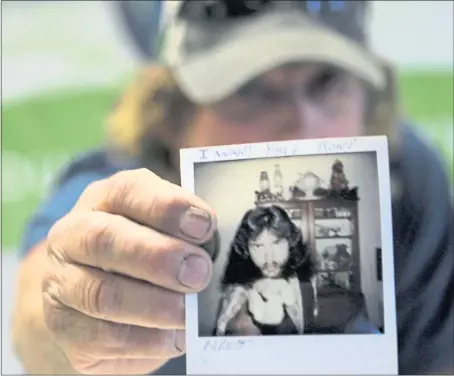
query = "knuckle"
x=57 y=232
x=100 y=295
x=55 y=245
x=165 y=343
x=142 y=172
x=168 y=307
x=120 y=185
x=83 y=362
x=167 y=207
x=94 y=188
x=98 y=238
x=138 y=250
x=143 y=248
x=121 y=175
x=117 y=195
x=148 y=257
x=91 y=194
x=55 y=317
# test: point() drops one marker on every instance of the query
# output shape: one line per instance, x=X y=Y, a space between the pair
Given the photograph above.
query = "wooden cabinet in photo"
x=330 y=229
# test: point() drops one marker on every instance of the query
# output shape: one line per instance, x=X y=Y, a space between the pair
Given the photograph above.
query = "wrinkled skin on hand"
x=119 y=265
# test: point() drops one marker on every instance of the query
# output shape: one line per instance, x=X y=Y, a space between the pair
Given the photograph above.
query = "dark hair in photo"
x=240 y=267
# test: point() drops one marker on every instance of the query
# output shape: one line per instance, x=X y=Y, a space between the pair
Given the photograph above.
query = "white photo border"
x=314 y=354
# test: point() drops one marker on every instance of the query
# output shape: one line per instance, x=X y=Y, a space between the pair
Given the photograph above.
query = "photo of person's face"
x=269 y=253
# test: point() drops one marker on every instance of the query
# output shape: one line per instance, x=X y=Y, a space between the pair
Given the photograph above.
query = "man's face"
x=295 y=101
x=269 y=253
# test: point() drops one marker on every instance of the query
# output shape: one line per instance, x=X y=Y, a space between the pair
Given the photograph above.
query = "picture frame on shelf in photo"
x=270 y=297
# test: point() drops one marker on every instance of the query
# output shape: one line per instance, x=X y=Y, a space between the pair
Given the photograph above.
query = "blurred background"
x=64 y=63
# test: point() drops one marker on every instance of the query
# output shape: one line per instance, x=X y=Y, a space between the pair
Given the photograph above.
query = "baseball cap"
x=215 y=47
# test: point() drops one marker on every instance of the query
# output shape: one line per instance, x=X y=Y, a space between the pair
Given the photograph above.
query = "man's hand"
x=276 y=290
x=270 y=312
x=119 y=265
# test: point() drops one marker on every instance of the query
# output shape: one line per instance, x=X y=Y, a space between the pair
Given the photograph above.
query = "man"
x=268 y=267
x=268 y=284
x=109 y=255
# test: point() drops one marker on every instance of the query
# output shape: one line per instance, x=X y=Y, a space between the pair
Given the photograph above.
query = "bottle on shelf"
x=264 y=183
x=278 y=189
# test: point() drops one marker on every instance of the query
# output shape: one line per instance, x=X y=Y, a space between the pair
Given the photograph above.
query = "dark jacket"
x=423 y=249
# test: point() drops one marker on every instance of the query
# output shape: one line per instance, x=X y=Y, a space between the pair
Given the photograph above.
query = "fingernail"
x=195 y=223
x=180 y=340
x=194 y=271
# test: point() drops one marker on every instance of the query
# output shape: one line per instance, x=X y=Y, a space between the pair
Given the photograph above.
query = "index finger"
x=116 y=244
x=145 y=198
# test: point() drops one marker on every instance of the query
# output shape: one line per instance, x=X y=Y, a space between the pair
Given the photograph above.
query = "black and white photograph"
x=297 y=257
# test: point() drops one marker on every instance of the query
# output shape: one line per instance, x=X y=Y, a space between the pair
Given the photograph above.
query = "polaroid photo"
x=296 y=287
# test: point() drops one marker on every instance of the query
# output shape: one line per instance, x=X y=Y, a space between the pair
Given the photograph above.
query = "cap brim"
x=217 y=74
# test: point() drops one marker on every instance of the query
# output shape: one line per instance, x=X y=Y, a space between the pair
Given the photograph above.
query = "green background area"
x=69 y=123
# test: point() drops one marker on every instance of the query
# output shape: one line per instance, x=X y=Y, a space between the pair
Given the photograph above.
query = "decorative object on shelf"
x=326 y=257
x=337 y=227
x=328 y=231
x=321 y=230
x=348 y=194
x=278 y=189
x=297 y=190
x=264 y=192
x=332 y=213
x=295 y=213
x=335 y=279
x=339 y=181
x=264 y=184
x=297 y=193
x=342 y=258
x=340 y=184
x=342 y=213
x=335 y=257
x=308 y=185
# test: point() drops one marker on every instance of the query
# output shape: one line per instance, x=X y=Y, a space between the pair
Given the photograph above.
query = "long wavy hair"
x=240 y=267
x=148 y=120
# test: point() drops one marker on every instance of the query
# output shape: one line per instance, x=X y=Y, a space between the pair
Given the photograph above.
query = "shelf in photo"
x=337 y=218
x=291 y=204
x=341 y=270
x=333 y=237
x=299 y=201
